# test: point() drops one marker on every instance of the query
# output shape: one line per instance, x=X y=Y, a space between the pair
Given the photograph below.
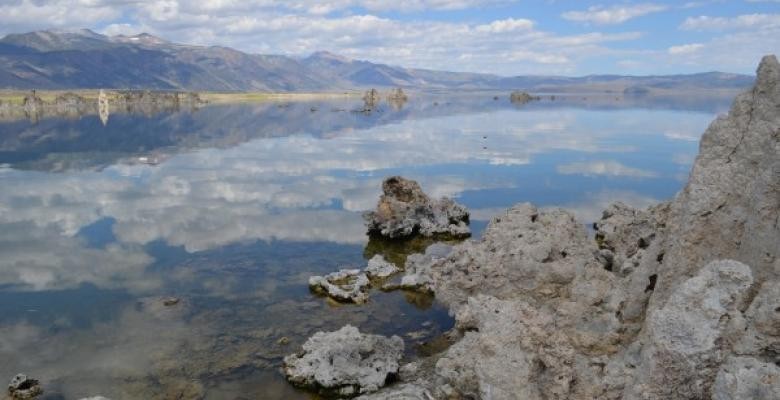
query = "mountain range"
x=84 y=59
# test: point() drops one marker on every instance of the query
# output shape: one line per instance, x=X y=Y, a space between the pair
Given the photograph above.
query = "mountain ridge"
x=83 y=59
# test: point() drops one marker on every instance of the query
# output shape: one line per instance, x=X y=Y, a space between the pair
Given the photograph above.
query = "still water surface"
x=232 y=208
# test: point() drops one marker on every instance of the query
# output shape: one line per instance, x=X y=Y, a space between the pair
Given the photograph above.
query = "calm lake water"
x=232 y=208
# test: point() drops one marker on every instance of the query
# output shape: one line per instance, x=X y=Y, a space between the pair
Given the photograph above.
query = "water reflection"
x=234 y=207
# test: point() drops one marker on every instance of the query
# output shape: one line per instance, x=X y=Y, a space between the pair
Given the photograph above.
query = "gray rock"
x=689 y=337
x=730 y=207
x=406 y=391
x=404 y=211
x=345 y=362
x=481 y=365
x=379 y=268
x=679 y=301
x=23 y=387
x=523 y=252
x=418 y=267
x=747 y=378
x=346 y=285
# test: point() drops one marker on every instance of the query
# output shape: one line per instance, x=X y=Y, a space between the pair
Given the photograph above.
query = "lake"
x=230 y=208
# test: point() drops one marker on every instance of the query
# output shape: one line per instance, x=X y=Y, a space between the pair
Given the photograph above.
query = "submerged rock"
x=23 y=387
x=345 y=362
x=404 y=211
x=346 y=285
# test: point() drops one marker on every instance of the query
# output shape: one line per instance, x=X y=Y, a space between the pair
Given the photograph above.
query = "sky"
x=506 y=37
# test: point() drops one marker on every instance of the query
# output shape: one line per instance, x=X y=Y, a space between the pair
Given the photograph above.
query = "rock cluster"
x=345 y=362
x=23 y=387
x=518 y=97
x=404 y=211
x=679 y=301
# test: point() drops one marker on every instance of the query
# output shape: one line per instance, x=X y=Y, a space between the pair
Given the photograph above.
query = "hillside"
x=84 y=59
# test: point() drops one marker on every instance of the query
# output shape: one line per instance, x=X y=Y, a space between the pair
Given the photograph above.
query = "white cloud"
x=741 y=22
x=600 y=15
x=509 y=46
x=686 y=48
x=604 y=168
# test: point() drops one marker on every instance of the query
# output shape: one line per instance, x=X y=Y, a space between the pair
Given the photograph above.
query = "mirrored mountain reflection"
x=167 y=256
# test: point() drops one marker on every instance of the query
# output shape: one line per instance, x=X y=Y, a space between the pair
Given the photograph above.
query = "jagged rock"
x=691 y=335
x=680 y=301
x=747 y=378
x=480 y=365
x=522 y=252
x=346 y=285
x=345 y=362
x=23 y=387
x=730 y=207
x=404 y=210
x=379 y=268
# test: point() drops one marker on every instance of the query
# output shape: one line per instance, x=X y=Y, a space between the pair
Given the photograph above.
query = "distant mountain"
x=84 y=59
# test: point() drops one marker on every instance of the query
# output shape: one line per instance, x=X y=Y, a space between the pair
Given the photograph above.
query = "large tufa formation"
x=679 y=301
x=404 y=211
x=371 y=99
x=518 y=97
x=345 y=362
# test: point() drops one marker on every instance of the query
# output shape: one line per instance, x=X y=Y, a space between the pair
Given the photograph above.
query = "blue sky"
x=508 y=37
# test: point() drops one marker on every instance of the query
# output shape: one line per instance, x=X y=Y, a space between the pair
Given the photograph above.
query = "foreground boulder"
x=404 y=211
x=678 y=301
x=345 y=362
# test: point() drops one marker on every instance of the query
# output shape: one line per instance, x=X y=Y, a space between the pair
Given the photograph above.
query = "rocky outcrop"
x=679 y=301
x=371 y=99
x=345 y=362
x=23 y=387
x=346 y=285
x=404 y=211
x=518 y=97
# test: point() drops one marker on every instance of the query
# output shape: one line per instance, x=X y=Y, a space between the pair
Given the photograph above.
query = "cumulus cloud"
x=357 y=29
x=741 y=22
x=600 y=15
x=686 y=48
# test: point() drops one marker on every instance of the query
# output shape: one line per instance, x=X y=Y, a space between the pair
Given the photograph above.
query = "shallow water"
x=232 y=208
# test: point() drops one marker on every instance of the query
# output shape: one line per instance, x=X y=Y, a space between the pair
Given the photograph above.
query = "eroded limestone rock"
x=404 y=210
x=680 y=301
x=747 y=378
x=379 y=268
x=345 y=362
x=346 y=285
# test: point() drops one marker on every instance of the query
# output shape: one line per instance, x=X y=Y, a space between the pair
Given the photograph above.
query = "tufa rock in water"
x=404 y=211
x=346 y=286
x=23 y=388
x=345 y=362
x=518 y=97
x=379 y=268
x=371 y=99
x=680 y=301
